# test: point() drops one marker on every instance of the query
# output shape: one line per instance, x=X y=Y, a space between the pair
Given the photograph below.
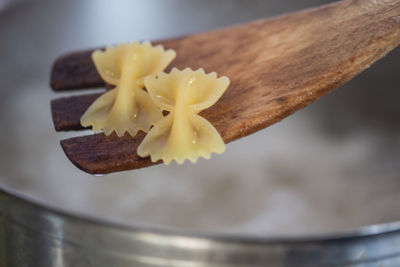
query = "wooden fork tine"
x=100 y=154
x=75 y=71
x=67 y=111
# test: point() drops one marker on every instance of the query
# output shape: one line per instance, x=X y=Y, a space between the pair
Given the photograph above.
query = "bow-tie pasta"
x=127 y=107
x=183 y=134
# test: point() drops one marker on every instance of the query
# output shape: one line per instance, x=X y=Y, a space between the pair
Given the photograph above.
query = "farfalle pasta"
x=127 y=107
x=183 y=134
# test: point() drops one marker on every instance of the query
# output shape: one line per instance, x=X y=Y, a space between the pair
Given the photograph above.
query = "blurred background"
x=333 y=166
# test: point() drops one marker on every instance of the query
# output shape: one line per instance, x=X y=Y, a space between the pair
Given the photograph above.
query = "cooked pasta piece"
x=183 y=134
x=127 y=107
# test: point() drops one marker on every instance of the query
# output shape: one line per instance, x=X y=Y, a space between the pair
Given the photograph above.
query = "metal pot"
x=45 y=219
x=34 y=235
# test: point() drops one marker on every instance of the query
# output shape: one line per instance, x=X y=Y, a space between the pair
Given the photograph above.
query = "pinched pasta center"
x=127 y=107
x=183 y=134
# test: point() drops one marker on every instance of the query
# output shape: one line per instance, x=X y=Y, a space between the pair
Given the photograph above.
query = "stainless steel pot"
x=39 y=227
x=34 y=235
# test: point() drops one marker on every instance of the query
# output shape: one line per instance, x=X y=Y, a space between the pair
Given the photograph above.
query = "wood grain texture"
x=67 y=111
x=75 y=71
x=94 y=150
x=276 y=66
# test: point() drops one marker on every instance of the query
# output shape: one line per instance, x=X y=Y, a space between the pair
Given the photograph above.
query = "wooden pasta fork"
x=276 y=67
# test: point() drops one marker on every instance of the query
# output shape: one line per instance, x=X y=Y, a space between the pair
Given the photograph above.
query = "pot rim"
x=352 y=233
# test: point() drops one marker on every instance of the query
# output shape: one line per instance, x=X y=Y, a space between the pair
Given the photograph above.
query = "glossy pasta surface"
x=183 y=134
x=127 y=107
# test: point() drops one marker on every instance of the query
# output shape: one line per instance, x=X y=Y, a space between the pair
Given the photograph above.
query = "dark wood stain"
x=282 y=99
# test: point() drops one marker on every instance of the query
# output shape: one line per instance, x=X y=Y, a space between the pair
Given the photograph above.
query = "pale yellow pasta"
x=183 y=134
x=127 y=107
